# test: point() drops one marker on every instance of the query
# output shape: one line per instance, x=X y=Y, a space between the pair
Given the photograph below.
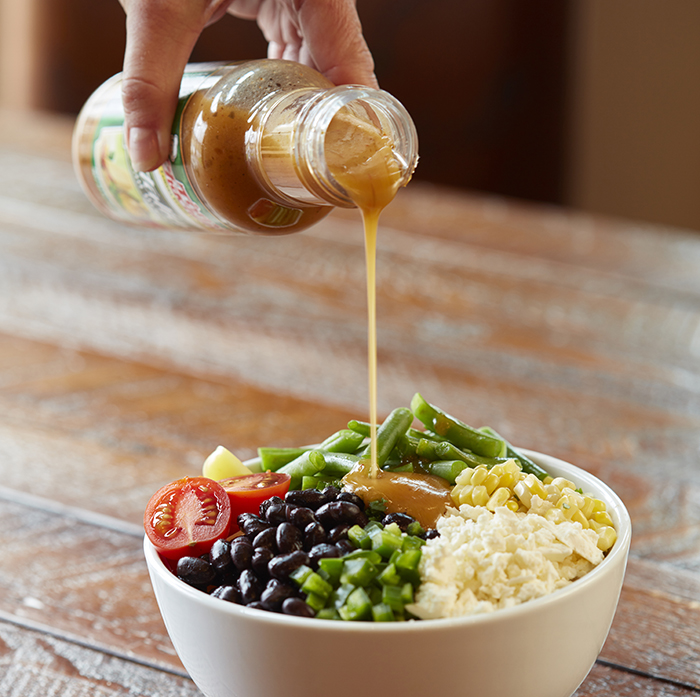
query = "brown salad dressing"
x=361 y=159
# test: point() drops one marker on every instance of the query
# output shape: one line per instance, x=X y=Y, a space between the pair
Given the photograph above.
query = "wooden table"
x=127 y=355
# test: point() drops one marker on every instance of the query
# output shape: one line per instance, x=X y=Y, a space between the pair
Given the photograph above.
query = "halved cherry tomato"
x=186 y=517
x=248 y=491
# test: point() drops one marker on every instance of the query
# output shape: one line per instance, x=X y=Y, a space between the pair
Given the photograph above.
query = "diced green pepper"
x=300 y=574
x=357 y=607
x=359 y=537
x=332 y=567
x=358 y=572
x=315 y=585
x=385 y=543
x=381 y=612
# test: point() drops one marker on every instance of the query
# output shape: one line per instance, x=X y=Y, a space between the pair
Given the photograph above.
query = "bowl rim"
x=582 y=478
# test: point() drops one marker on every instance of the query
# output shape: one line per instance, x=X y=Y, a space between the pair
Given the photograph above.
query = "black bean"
x=251 y=526
x=296 y=606
x=314 y=534
x=330 y=493
x=243 y=517
x=261 y=558
x=241 y=553
x=338 y=533
x=300 y=516
x=281 y=566
x=266 y=538
x=322 y=551
x=195 y=571
x=250 y=587
x=338 y=513
x=403 y=520
x=345 y=547
x=220 y=556
x=276 y=514
x=430 y=534
x=289 y=538
x=256 y=604
x=352 y=498
x=228 y=593
x=310 y=498
x=275 y=594
x=267 y=503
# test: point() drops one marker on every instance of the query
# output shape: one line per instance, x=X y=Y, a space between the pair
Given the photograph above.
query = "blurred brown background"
x=593 y=104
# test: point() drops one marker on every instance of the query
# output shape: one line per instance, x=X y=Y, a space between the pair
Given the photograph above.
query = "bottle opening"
x=365 y=146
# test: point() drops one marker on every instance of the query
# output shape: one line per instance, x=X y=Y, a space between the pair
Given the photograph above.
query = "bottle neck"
x=294 y=151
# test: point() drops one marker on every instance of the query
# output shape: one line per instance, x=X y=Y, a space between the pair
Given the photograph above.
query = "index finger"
x=160 y=37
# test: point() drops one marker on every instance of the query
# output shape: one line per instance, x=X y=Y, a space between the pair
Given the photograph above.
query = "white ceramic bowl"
x=543 y=648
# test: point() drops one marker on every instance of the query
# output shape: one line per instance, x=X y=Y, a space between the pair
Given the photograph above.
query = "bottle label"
x=164 y=197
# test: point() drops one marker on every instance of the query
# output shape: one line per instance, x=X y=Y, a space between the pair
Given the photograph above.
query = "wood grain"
x=127 y=355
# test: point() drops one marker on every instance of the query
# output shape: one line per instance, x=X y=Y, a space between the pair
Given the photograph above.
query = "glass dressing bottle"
x=250 y=149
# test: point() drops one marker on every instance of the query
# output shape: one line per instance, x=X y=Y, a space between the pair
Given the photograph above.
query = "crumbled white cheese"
x=483 y=561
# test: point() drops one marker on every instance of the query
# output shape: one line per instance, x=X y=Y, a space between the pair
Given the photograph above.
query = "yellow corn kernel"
x=578 y=517
x=464 y=477
x=587 y=507
x=555 y=515
x=523 y=493
x=603 y=517
x=535 y=486
x=513 y=505
x=508 y=480
x=497 y=470
x=575 y=499
x=566 y=507
x=512 y=466
x=552 y=493
x=598 y=505
x=548 y=479
x=561 y=482
x=465 y=496
x=491 y=482
x=478 y=475
x=480 y=496
x=498 y=498
x=606 y=538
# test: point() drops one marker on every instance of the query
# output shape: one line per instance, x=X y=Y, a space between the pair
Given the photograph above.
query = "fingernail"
x=143 y=149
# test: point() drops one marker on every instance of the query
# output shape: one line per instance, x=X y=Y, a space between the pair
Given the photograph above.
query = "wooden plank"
x=608 y=680
x=33 y=664
x=657 y=625
x=104 y=434
x=82 y=580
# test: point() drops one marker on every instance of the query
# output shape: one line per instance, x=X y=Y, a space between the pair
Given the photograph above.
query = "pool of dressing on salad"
x=361 y=159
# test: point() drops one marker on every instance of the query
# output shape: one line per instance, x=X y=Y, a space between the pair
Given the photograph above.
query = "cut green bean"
x=447 y=469
x=433 y=450
x=457 y=432
x=344 y=441
x=307 y=464
x=338 y=464
x=361 y=427
x=406 y=446
x=394 y=426
x=274 y=458
x=415 y=433
x=526 y=464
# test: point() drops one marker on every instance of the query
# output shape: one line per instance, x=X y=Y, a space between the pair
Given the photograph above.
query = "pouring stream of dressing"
x=362 y=160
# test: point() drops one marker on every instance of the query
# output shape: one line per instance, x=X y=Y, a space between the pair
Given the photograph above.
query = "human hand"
x=323 y=34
